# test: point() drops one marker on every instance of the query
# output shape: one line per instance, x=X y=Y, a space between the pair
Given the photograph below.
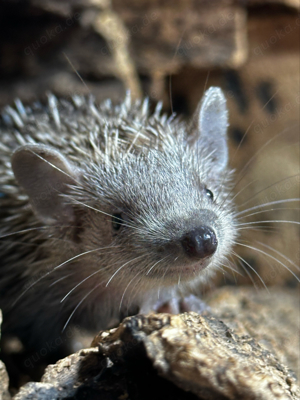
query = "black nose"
x=200 y=242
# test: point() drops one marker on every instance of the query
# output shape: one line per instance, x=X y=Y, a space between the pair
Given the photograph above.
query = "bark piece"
x=271 y=316
x=4 y=395
x=165 y=356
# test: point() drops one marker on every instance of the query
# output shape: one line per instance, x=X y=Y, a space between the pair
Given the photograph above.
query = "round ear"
x=44 y=173
x=208 y=127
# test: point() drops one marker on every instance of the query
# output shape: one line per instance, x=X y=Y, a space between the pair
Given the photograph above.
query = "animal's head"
x=157 y=207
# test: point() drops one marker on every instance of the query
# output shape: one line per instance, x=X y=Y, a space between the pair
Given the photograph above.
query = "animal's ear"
x=209 y=127
x=44 y=174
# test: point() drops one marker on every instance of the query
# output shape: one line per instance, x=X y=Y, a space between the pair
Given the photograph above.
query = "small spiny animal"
x=106 y=209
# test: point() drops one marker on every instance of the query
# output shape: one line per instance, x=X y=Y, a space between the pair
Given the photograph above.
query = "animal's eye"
x=117 y=221
x=209 y=194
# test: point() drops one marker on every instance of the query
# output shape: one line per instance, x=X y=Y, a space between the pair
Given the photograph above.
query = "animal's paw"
x=177 y=305
x=193 y=303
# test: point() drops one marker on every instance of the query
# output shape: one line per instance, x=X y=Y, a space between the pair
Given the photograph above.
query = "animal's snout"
x=200 y=242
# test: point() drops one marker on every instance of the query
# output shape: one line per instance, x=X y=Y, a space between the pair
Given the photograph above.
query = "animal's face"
x=163 y=218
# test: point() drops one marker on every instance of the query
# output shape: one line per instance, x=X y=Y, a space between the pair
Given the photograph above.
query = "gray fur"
x=77 y=164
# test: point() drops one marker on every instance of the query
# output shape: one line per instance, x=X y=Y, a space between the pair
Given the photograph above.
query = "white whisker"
x=270 y=209
x=54 y=269
x=269 y=255
x=61 y=279
x=127 y=288
x=268 y=187
x=119 y=269
x=78 y=305
x=148 y=272
x=269 y=221
x=253 y=269
x=109 y=215
x=270 y=203
x=22 y=231
x=280 y=254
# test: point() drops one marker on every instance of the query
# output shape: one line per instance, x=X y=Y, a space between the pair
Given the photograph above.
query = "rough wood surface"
x=4 y=395
x=184 y=356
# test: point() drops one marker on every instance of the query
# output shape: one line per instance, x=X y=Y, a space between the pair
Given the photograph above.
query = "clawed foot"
x=177 y=305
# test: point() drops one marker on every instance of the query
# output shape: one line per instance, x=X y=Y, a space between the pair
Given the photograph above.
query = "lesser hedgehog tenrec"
x=104 y=206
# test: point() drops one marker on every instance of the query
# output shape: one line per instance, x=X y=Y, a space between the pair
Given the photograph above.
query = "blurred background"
x=172 y=51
